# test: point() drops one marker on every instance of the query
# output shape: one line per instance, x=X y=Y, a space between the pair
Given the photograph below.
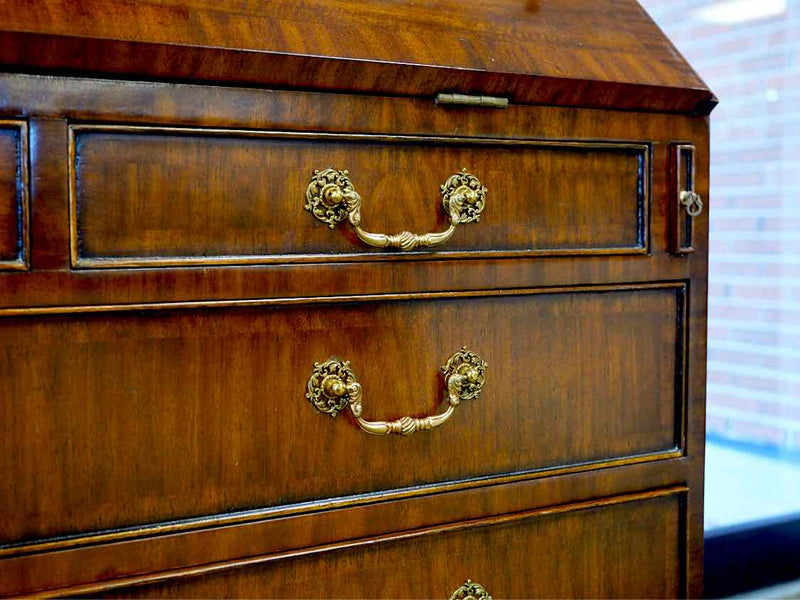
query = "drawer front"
x=172 y=196
x=13 y=195
x=629 y=547
x=124 y=418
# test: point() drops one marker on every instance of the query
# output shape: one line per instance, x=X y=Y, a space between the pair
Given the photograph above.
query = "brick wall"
x=754 y=304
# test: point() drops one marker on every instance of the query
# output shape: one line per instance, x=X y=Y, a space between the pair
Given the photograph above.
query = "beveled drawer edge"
x=644 y=176
x=23 y=184
x=204 y=569
x=355 y=257
x=234 y=518
x=677 y=451
x=354 y=298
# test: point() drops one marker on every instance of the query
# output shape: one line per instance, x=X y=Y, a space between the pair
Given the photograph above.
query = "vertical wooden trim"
x=682 y=178
x=72 y=198
x=22 y=261
x=49 y=215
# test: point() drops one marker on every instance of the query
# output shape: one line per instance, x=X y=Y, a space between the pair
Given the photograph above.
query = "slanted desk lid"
x=596 y=53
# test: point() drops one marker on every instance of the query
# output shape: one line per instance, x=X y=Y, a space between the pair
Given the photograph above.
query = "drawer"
x=622 y=547
x=161 y=196
x=120 y=418
x=13 y=195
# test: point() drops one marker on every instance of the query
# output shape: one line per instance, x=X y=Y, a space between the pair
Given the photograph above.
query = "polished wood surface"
x=542 y=52
x=48 y=102
x=155 y=436
x=153 y=553
x=202 y=412
x=234 y=196
x=629 y=547
x=13 y=195
x=109 y=460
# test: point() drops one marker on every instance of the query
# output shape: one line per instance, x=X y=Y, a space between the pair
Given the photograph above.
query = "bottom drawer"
x=629 y=546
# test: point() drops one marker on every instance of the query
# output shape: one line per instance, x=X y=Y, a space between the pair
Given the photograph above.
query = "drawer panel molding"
x=150 y=196
x=14 y=205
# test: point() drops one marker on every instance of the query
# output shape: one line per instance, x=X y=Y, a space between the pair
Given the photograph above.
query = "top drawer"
x=165 y=196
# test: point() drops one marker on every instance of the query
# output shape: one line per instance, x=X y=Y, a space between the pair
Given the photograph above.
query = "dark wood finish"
x=570 y=53
x=42 y=100
x=201 y=412
x=13 y=195
x=125 y=554
x=628 y=547
x=154 y=430
x=46 y=103
x=235 y=196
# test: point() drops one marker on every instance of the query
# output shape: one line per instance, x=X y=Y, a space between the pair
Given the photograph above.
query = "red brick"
x=772 y=292
x=780 y=37
x=752 y=359
x=765 y=62
x=717 y=424
x=734 y=402
x=764 y=384
x=759 y=433
x=755 y=146
x=765 y=338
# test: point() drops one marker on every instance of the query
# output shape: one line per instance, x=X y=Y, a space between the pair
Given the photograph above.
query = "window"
x=748 y=51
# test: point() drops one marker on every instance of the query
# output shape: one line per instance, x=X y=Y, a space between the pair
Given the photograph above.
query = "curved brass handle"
x=470 y=591
x=333 y=386
x=330 y=197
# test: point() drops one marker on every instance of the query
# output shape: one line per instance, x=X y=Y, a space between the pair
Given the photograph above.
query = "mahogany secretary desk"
x=475 y=231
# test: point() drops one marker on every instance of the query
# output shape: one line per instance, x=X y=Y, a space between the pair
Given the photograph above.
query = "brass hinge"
x=466 y=100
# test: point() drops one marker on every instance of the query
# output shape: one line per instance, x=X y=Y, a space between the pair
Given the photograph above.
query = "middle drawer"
x=181 y=412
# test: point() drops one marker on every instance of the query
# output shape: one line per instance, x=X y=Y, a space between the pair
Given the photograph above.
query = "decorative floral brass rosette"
x=471 y=370
x=463 y=198
x=327 y=195
x=329 y=386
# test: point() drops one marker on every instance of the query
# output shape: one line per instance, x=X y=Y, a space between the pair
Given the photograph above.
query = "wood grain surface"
x=170 y=400
x=116 y=558
x=625 y=548
x=565 y=52
x=146 y=418
x=48 y=102
x=237 y=196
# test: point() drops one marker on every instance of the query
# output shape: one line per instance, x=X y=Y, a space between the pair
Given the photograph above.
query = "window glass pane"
x=748 y=51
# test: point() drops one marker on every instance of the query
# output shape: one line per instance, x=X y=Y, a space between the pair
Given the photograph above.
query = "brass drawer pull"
x=330 y=197
x=692 y=202
x=333 y=386
x=471 y=591
x=687 y=204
